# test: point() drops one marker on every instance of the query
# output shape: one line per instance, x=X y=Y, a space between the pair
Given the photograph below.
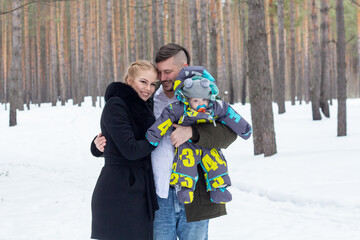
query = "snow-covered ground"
x=309 y=190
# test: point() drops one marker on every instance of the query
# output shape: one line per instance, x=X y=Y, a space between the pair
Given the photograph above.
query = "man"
x=173 y=219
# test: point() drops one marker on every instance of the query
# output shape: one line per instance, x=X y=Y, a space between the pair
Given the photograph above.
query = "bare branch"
x=354 y=2
x=350 y=39
x=161 y=1
x=34 y=1
x=334 y=41
x=21 y=6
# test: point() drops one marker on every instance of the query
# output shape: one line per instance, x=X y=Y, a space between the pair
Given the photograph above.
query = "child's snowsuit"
x=184 y=171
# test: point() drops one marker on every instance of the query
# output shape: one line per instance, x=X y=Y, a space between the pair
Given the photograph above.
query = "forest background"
x=56 y=50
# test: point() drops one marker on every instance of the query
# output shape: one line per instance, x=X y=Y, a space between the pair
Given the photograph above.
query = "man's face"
x=168 y=71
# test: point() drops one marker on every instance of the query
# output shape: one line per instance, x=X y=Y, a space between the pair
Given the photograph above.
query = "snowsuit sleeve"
x=169 y=115
x=225 y=114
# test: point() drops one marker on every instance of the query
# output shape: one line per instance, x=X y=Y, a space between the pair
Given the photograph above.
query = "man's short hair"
x=170 y=50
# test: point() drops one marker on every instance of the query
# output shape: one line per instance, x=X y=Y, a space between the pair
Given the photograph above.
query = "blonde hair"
x=137 y=66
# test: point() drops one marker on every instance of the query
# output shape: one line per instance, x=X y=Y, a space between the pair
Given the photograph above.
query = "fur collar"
x=140 y=110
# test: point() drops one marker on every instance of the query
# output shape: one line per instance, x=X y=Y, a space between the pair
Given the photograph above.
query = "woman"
x=124 y=198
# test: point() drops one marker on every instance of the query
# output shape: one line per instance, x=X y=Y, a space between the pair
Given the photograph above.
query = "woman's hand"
x=100 y=142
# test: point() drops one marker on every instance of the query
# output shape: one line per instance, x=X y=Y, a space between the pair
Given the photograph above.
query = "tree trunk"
x=117 y=25
x=33 y=67
x=229 y=68
x=132 y=31
x=73 y=54
x=20 y=86
x=104 y=58
x=195 y=46
x=140 y=13
x=300 y=61
x=325 y=71
x=358 y=46
x=99 y=48
x=299 y=58
x=39 y=57
x=222 y=81
x=4 y=56
x=306 y=54
x=332 y=64
x=280 y=84
x=293 y=53
x=341 y=68
x=172 y=21
x=237 y=46
x=203 y=32
x=161 y=22
x=166 y=19
x=315 y=80
x=213 y=37
x=186 y=32
x=84 y=81
x=66 y=26
x=16 y=72
x=146 y=32
x=260 y=83
x=110 y=49
x=53 y=58
x=2 y=80
x=113 y=49
x=155 y=37
x=27 y=60
x=244 y=55
x=179 y=21
x=62 y=69
x=94 y=72
x=273 y=46
x=80 y=32
x=125 y=36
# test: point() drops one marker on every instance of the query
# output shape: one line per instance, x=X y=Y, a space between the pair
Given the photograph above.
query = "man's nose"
x=163 y=77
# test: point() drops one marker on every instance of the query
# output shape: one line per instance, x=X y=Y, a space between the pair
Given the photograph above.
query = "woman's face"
x=144 y=83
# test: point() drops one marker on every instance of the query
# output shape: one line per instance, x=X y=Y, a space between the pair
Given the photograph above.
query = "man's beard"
x=169 y=82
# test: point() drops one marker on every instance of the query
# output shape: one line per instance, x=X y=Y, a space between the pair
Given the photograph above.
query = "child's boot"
x=185 y=195
x=220 y=195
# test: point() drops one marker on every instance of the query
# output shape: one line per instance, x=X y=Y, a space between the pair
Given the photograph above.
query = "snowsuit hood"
x=195 y=73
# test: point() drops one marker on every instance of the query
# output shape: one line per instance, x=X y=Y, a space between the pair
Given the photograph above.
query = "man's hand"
x=180 y=135
x=100 y=142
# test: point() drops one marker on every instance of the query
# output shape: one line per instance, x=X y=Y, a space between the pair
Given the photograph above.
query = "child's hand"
x=180 y=135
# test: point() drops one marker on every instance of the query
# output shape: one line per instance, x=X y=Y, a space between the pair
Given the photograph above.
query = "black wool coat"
x=124 y=198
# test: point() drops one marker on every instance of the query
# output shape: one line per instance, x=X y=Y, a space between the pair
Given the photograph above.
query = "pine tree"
x=341 y=69
x=259 y=82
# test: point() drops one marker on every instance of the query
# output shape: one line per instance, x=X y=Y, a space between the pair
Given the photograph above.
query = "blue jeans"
x=170 y=221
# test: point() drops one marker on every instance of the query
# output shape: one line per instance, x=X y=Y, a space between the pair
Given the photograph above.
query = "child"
x=196 y=90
